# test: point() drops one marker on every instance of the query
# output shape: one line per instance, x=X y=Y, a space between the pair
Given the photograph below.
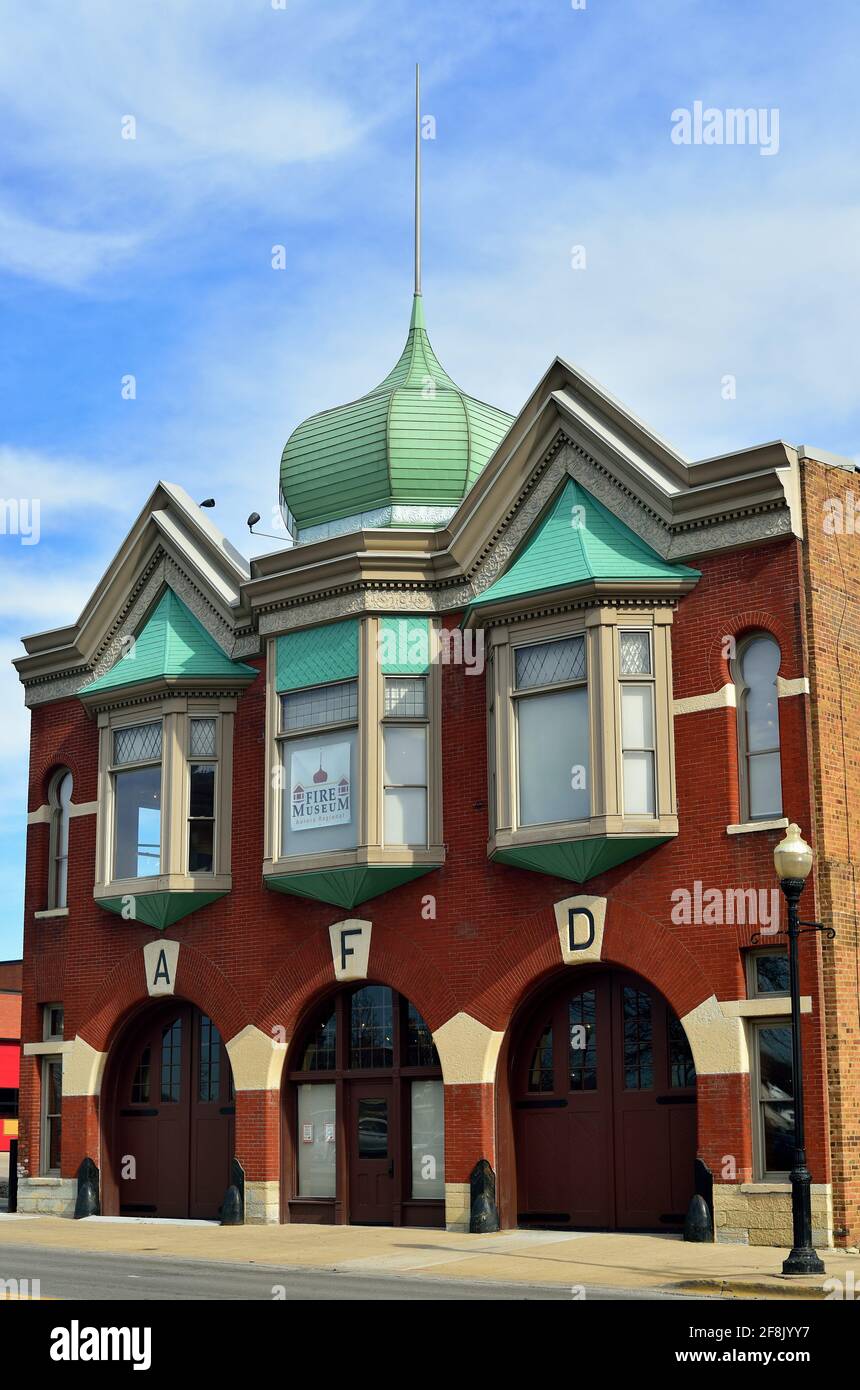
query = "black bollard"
x=233 y=1206
x=697 y=1224
x=483 y=1212
x=87 y=1201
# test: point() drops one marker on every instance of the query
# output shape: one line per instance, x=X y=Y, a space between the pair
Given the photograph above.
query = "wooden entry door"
x=373 y=1151
x=603 y=1090
x=174 y=1127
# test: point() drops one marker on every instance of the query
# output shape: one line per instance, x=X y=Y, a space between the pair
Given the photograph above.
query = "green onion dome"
x=403 y=455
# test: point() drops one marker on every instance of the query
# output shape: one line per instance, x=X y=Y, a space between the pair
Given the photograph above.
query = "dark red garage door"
x=604 y=1095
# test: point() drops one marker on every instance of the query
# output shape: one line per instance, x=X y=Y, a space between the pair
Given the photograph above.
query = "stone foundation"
x=759 y=1213
x=457 y=1206
x=47 y=1196
x=262 y=1203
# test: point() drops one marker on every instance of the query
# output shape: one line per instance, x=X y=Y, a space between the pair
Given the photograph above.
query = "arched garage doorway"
x=603 y=1091
x=364 y=1133
x=172 y=1105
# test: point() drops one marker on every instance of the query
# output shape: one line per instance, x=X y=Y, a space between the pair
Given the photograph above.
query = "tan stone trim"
x=718 y=1043
x=257 y=1059
x=724 y=698
x=160 y=959
x=83 y=1068
x=468 y=1051
x=350 y=941
x=49 y=912
x=759 y=1213
x=580 y=954
x=750 y=827
x=44 y=813
x=777 y=1006
x=46 y=1049
x=796 y=685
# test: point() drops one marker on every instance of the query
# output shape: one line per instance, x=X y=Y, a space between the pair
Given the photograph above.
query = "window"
x=164 y=814
x=140 y=1083
x=551 y=700
x=52 y=1099
x=209 y=1067
x=541 y=1069
x=638 y=1041
x=171 y=1062
x=136 y=772
x=319 y=769
x=582 y=1031
x=52 y=1023
x=757 y=665
x=60 y=799
x=202 y=770
x=773 y=1099
x=767 y=974
x=638 y=753
x=682 y=1070
x=404 y=761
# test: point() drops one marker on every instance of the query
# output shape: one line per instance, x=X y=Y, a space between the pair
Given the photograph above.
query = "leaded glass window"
x=171 y=1062
x=371 y=1027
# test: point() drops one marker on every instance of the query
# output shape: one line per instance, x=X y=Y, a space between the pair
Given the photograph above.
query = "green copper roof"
x=171 y=643
x=415 y=440
x=579 y=860
x=159 y=910
x=347 y=887
x=579 y=540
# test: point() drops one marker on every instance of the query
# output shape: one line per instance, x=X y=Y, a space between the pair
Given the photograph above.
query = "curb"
x=743 y=1288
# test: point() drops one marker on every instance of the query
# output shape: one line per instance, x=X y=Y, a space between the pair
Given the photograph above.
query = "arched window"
x=756 y=666
x=60 y=799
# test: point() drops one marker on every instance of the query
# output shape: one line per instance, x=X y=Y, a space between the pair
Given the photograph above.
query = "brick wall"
x=832 y=585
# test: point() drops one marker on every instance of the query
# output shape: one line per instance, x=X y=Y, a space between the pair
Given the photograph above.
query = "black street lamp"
x=793 y=861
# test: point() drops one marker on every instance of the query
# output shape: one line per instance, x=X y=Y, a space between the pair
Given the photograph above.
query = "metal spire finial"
x=417 y=179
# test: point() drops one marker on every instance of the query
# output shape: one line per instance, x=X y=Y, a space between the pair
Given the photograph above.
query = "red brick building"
x=446 y=833
x=11 y=974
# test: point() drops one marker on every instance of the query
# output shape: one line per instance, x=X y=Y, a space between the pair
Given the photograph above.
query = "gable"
x=171 y=644
x=579 y=541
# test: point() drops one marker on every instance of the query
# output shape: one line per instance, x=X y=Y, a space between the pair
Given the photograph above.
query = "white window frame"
x=398 y=721
x=646 y=680
x=47 y=1034
x=518 y=695
x=744 y=755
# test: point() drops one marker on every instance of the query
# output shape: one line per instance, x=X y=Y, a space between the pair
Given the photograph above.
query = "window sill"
x=164 y=883
x=751 y=826
x=53 y=1047
x=777 y=1006
x=49 y=912
x=366 y=857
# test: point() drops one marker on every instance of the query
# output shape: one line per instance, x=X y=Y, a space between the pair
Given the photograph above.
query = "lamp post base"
x=802 y=1260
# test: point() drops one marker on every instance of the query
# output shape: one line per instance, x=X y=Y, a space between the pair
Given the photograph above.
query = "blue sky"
x=258 y=126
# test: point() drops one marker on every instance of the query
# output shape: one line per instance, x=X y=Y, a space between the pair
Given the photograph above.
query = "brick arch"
x=308 y=975
x=198 y=980
x=632 y=939
x=739 y=626
x=42 y=774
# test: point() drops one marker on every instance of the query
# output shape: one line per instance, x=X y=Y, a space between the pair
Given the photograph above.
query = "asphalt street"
x=84 y=1275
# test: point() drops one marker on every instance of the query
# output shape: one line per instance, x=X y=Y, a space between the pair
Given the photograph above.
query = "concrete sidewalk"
x=529 y=1257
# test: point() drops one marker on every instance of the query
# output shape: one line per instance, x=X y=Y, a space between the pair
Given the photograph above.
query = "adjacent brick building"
x=446 y=833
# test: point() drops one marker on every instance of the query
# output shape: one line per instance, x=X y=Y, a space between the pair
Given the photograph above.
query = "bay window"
x=355 y=739
x=164 y=805
x=581 y=751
